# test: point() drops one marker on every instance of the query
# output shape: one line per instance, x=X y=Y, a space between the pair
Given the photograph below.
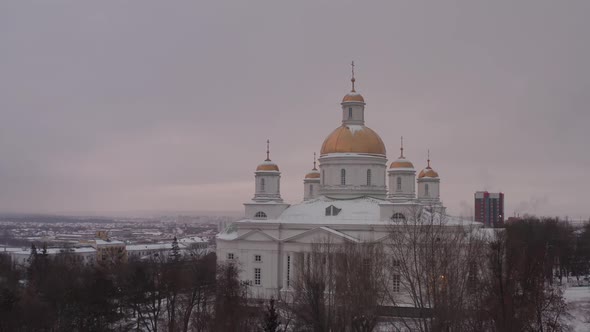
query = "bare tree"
x=142 y=283
x=434 y=268
x=519 y=290
x=232 y=311
x=197 y=299
x=338 y=286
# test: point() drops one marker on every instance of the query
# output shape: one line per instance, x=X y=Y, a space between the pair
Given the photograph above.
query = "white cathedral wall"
x=357 y=114
x=408 y=183
x=355 y=166
x=356 y=175
x=433 y=189
x=307 y=194
x=244 y=256
x=271 y=184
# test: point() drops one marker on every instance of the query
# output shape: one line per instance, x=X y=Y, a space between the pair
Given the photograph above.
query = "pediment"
x=321 y=234
x=256 y=235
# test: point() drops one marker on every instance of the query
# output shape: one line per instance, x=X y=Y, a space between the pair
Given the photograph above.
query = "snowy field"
x=578 y=303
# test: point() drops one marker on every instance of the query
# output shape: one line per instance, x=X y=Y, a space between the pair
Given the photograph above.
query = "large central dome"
x=353 y=139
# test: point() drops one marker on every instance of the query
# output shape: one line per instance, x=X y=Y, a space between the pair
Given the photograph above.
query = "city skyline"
x=168 y=108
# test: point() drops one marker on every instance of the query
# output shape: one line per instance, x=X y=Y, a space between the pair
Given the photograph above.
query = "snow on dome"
x=401 y=163
x=315 y=174
x=353 y=97
x=267 y=165
x=428 y=172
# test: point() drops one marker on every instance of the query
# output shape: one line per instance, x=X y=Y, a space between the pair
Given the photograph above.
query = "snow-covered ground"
x=578 y=303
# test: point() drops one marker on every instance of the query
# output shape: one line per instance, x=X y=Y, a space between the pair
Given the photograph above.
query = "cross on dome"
x=352 y=79
x=401 y=149
x=267 y=165
x=353 y=96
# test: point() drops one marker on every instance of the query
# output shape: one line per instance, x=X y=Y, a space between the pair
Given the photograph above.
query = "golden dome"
x=401 y=163
x=313 y=175
x=354 y=97
x=267 y=165
x=428 y=173
x=353 y=139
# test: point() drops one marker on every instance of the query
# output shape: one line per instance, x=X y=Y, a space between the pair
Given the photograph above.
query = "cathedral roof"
x=363 y=210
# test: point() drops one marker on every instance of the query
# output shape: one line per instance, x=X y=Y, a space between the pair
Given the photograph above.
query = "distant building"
x=489 y=208
x=110 y=251
x=107 y=251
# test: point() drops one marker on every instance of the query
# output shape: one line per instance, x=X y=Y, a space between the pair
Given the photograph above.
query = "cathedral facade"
x=354 y=195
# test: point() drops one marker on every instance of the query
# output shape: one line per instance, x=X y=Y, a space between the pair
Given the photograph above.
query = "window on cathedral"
x=257 y=276
x=332 y=210
x=262 y=185
x=323 y=176
x=398 y=217
x=257 y=258
x=350 y=113
x=288 y=271
x=343 y=176
x=397 y=283
x=230 y=255
x=311 y=190
x=399 y=183
x=426 y=191
x=260 y=215
x=369 y=177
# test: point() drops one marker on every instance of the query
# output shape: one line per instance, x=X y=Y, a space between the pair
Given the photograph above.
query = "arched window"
x=323 y=177
x=310 y=190
x=399 y=183
x=368 y=177
x=426 y=191
x=350 y=113
x=260 y=215
x=343 y=176
x=398 y=217
x=262 y=184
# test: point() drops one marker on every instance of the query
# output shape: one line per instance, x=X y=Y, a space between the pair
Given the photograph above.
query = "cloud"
x=113 y=105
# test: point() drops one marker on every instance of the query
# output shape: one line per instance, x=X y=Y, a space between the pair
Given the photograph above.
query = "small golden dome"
x=353 y=139
x=267 y=165
x=401 y=163
x=353 y=97
x=313 y=175
x=428 y=173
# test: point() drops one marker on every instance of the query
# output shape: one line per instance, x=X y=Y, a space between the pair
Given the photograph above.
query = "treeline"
x=174 y=293
x=427 y=276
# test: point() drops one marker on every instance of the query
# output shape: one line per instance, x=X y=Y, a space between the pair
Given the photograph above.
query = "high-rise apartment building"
x=489 y=208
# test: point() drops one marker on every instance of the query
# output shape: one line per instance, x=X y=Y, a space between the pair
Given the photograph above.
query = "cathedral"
x=352 y=195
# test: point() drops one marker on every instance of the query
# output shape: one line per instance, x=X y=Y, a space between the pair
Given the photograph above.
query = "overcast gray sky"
x=112 y=106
